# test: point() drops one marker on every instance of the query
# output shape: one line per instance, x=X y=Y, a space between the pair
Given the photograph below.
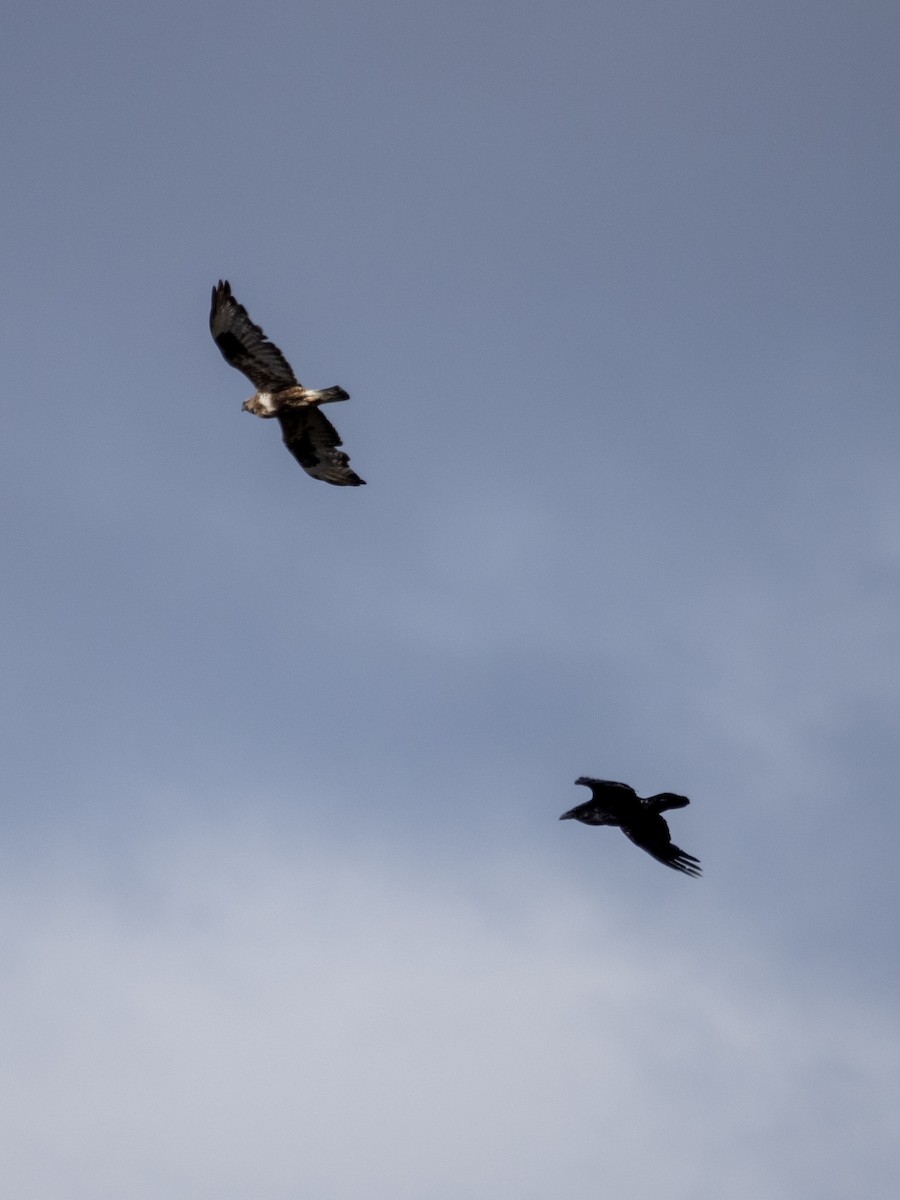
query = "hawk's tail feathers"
x=328 y=395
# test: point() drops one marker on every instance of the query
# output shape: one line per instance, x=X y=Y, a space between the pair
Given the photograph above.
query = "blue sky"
x=287 y=910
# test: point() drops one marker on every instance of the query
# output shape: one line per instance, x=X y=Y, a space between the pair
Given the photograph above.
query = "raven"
x=638 y=818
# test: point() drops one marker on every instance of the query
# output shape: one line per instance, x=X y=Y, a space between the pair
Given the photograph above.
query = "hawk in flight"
x=307 y=432
x=638 y=818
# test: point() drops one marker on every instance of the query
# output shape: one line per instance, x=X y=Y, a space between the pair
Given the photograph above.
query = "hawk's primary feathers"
x=307 y=432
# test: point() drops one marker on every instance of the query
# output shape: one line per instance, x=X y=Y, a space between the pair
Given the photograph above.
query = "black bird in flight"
x=639 y=819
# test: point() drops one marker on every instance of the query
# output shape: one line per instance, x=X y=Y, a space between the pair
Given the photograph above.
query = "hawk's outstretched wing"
x=651 y=833
x=244 y=344
x=314 y=441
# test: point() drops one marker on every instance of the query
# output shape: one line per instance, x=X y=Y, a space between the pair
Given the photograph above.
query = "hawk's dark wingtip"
x=221 y=291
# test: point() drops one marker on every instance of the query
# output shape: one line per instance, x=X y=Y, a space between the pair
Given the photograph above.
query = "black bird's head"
x=588 y=813
x=580 y=811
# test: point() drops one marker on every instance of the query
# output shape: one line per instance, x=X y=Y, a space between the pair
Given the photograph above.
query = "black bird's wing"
x=651 y=833
x=245 y=346
x=314 y=441
x=616 y=801
x=601 y=788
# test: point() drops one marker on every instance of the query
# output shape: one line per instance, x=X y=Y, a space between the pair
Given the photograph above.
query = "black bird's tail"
x=666 y=800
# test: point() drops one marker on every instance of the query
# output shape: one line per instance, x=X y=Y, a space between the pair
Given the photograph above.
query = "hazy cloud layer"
x=251 y=1020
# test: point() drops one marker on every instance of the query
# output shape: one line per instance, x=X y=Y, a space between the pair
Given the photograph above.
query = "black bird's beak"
x=568 y=815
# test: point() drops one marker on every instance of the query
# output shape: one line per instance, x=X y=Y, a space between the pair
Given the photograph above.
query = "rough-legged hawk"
x=639 y=819
x=307 y=432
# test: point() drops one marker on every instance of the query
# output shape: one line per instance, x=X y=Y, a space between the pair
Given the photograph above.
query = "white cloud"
x=263 y=1022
